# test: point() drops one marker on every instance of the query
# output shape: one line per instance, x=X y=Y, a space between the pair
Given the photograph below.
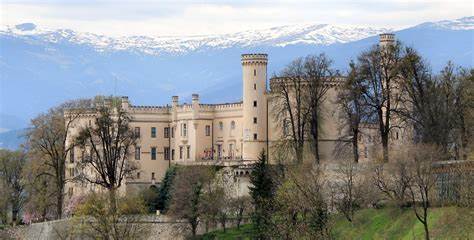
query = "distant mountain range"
x=40 y=68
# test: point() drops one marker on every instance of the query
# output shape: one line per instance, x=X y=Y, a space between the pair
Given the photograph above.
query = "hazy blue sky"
x=147 y=17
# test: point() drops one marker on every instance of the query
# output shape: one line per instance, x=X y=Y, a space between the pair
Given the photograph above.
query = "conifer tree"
x=262 y=192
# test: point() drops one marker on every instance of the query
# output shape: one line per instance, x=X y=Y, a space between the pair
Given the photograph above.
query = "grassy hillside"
x=389 y=223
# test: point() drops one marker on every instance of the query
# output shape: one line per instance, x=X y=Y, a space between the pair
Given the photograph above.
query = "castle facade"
x=228 y=134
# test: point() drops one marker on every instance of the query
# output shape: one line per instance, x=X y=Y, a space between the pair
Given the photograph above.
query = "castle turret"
x=254 y=76
x=386 y=39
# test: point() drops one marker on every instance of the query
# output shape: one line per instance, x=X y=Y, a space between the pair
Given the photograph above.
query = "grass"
x=388 y=223
x=244 y=233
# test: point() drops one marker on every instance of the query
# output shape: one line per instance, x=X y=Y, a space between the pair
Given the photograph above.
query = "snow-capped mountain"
x=40 y=68
x=466 y=23
x=312 y=34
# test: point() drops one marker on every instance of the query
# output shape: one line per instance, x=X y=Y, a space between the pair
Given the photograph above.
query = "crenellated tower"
x=254 y=77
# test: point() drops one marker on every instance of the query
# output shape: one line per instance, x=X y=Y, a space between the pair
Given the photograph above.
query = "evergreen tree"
x=164 y=192
x=262 y=192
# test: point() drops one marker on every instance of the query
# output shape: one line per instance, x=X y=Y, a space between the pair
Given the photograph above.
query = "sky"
x=178 y=18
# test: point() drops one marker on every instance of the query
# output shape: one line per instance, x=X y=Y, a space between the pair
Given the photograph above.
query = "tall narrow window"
x=71 y=155
x=255 y=72
x=152 y=176
x=254 y=136
x=167 y=132
x=255 y=103
x=153 y=132
x=180 y=152
x=172 y=132
x=221 y=126
x=172 y=154
x=138 y=175
x=254 y=86
x=166 y=152
x=184 y=130
x=232 y=125
x=255 y=120
x=208 y=130
x=153 y=153
x=188 y=152
x=137 y=132
x=137 y=153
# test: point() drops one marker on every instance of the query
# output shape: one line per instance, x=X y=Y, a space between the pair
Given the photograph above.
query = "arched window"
x=232 y=125
x=221 y=126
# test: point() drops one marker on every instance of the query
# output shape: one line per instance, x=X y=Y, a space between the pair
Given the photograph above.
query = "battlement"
x=387 y=38
x=332 y=82
x=254 y=58
x=149 y=109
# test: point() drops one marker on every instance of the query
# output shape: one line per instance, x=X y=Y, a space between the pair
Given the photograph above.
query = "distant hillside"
x=12 y=139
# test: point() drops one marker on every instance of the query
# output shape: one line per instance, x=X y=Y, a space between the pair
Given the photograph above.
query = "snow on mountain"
x=465 y=23
x=315 y=34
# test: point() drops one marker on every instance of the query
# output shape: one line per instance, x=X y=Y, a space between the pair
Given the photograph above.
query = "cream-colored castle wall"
x=205 y=149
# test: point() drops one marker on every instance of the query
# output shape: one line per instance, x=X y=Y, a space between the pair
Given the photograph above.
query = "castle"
x=229 y=134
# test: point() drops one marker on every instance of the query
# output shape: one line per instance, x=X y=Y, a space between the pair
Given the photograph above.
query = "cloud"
x=147 y=17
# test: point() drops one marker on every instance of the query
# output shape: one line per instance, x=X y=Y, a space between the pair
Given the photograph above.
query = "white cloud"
x=146 y=17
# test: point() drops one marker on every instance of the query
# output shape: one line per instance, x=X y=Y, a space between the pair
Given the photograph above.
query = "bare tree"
x=350 y=101
x=318 y=72
x=299 y=93
x=108 y=142
x=348 y=188
x=378 y=71
x=423 y=181
x=393 y=180
x=240 y=206
x=187 y=194
x=12 y=164
x=289 y=93
x=47 y=138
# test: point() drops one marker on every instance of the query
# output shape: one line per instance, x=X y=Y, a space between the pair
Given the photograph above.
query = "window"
x=90 y=122
x=396 y=135
x=152 y=176
x=71 y=155
x=172 y=132
x=180 y=152
x=254 y=136
x=208 y=130
x=167 y=132
x=255 y=103
x=255 y=86
x=137 y=132
x=167 y=153
x=138 y=175
x=219 y=150
x=71 y=172
x=255 y=72
x=255 y=120
x=231 y=150
x=153 y=153
x=232 y=125
x=221 y=126
x=172 y=154
x=184 y=130
x=153 y=132
x=188 y=152
x=137 y=153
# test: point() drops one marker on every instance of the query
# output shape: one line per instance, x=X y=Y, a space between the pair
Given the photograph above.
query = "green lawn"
x=388 y=223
